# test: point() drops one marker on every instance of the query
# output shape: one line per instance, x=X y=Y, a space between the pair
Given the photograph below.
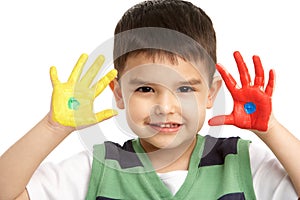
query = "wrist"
x=57 y=128
x=271 y=135
x=271 y=124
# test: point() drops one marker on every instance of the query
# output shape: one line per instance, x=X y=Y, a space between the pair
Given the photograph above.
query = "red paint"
x=249 y=92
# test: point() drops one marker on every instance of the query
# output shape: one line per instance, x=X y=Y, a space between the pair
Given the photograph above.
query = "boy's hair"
x=177 y=16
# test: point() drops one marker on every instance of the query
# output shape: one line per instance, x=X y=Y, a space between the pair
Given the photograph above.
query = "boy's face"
x=165 y=103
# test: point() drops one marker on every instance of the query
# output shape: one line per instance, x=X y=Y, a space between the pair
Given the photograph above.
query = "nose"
x=166 y=103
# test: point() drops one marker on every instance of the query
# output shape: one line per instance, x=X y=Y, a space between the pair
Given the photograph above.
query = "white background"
x=35 y=35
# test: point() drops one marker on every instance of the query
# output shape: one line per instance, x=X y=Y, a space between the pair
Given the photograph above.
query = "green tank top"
x=219 y=169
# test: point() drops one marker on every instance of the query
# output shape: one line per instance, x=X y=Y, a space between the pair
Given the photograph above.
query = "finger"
x=105 y=114
x=89 y=76
x=78 y=68
x=259 y=80
x=271 y=83
x=53 y=76
x=221 y=120
x=243 y=70
x=101 y=84
x=226 y=76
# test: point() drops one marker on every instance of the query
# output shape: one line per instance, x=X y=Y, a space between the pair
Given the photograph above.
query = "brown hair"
x=176 y=15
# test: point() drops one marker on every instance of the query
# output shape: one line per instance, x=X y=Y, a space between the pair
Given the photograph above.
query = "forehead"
x=162 y=70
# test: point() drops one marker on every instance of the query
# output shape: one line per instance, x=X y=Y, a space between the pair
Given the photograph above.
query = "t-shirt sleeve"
x=68 y=179
x=270 y=179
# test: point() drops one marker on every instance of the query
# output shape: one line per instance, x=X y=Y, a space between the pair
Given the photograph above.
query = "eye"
x=185 y=89
x=144 y=89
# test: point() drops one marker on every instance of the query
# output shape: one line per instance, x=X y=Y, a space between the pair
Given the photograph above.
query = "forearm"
x=20 y=161
x=286 y=148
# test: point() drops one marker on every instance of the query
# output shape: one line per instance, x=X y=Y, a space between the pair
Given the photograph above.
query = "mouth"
x=166 y=127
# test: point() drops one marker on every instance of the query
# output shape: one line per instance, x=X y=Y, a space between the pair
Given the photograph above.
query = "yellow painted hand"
x=72 y=101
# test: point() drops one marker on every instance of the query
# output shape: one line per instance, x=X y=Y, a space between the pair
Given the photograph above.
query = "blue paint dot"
x=250 y=107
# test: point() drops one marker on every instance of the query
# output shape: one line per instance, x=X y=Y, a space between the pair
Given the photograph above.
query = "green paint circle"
x=73 y=104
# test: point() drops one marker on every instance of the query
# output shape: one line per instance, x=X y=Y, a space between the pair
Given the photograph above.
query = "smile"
x=167 y=127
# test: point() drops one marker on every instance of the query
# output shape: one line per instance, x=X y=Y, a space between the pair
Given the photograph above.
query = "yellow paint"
x=82 y=113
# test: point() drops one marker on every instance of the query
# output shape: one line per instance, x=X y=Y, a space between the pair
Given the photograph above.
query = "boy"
x=165 y=91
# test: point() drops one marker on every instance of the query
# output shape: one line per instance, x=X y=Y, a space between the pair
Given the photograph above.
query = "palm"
x=252 y=104
x=73 y=106
x=259 y=118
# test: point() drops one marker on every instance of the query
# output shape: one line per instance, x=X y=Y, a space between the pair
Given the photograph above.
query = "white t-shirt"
x=70 y=178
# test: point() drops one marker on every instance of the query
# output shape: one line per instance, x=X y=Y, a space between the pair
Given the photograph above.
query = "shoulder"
x=124 y=154
x=47 y=180
x=216 y=149
x=269 y=175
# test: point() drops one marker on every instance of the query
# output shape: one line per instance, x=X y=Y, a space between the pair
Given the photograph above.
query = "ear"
x=213 y=91
x=116 y=89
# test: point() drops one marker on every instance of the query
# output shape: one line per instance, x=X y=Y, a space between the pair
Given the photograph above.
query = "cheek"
x=137 y=109
x=193 y=104
x=194 y=110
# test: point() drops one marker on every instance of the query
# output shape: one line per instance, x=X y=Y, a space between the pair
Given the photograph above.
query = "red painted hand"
x=252 y=104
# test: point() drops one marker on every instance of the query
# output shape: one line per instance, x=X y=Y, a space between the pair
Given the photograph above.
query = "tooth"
x=168 y=125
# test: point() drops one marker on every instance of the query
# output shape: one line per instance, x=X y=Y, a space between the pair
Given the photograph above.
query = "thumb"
x=105 y=114
x=221 y=120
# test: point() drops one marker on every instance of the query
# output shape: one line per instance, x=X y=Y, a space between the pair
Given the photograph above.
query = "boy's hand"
x=252 y=103
x=72 y=102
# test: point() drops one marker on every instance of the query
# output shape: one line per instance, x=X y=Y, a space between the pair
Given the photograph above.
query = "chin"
x=168 y=142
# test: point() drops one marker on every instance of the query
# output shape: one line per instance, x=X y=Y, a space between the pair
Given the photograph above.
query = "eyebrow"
x=191 y=82
x=137 y=81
